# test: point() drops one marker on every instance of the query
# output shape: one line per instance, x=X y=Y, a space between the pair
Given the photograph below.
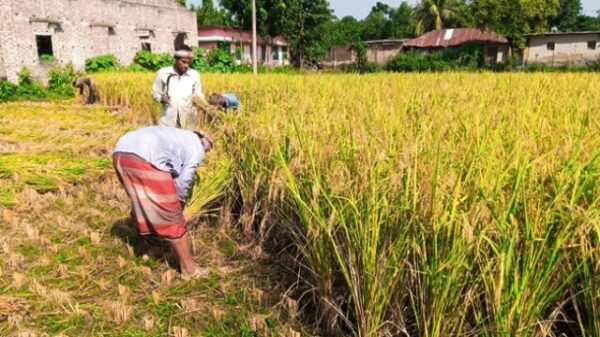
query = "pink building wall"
x=277 y=48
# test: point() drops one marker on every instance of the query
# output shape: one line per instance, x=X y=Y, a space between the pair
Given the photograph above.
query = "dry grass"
x=71 y=263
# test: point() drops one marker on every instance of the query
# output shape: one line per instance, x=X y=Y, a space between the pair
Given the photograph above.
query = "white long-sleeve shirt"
x=168 y=149
x=180 y=90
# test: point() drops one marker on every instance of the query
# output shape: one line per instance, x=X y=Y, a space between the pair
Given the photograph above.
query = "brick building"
x=576 y=48
x=75 y=30
x=378 y=51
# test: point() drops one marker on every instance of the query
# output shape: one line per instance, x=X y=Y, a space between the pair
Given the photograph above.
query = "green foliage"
x=47 y=58
x=199 y=62
x=466 y=58
x=25 y=77
x=438 y=14
x=367 y=68
x=361 y=56
x=514 y=18
x=60 y=85
x=61 y=81
x=8 y=90
x=220 y=61
x=588 y=23
x=33 y=91
x=303 y=23
x=207 y=14
x=28 y=88
x=101 y=63
x=567 y=17
x=300 y=21
x=151 y=61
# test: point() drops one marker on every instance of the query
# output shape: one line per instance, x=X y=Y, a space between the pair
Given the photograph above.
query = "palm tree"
x=435 y=14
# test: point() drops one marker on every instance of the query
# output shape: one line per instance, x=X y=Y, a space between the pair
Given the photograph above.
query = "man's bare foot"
x=197 y=273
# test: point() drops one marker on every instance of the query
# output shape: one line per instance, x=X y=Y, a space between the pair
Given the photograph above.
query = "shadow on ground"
x=149 y=245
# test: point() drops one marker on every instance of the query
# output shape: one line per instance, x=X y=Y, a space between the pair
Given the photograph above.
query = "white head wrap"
x=183 y=53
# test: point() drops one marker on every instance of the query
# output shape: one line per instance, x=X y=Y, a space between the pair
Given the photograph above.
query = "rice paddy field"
x=450 y=204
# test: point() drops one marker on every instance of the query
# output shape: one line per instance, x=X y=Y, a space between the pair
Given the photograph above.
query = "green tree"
x=514 y=18
x=588 y=23
x=568 y=15
x=403 y=24
x=300 y=21
x=437 y=14
x=376 y=25
x=208 y=14
x=303 y=27
x=181 y=2
x=270 y=15
x=347 y=30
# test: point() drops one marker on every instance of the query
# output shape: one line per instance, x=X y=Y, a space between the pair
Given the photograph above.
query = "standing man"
x=157 y=165
x=174 y=87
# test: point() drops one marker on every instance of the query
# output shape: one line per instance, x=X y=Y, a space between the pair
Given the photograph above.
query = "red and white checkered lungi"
x=156 y=206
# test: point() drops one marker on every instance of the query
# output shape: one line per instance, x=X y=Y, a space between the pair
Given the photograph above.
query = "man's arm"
x=157 y=88
x=183 y=182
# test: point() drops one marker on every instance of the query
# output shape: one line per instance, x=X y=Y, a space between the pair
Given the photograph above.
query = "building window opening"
x=225 y=46
x=284 y=53
x=592 y=45
x=263 y=52
x=44 y=45
x=550 y=46
x=275 y=53
x=147 y=46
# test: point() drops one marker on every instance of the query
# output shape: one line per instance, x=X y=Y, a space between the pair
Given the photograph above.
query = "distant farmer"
x=175 y=87
x=87 y=89
x=224 y=101
x=157 y=165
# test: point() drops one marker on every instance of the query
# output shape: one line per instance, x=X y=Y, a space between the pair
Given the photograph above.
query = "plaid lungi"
x=155 y=204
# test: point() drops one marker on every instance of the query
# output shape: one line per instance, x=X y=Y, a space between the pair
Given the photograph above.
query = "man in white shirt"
x=175 y=87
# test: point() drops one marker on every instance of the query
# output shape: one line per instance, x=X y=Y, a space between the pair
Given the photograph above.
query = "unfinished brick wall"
x=80 y=29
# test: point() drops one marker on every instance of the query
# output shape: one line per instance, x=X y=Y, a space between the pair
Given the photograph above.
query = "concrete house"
x=495 y=46
x=75 y=30
x=378 y=51
x=272 y=50
x=577 y=48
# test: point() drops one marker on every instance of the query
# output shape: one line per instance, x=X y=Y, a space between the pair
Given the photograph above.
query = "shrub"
x=47 y=58
x=101 y=63
x=34 y=91
x=61 y=81
x=150 y=61
x=198 y=62
x=465 y=58
x=220 y=61
x=8 y=90
x=25 y=77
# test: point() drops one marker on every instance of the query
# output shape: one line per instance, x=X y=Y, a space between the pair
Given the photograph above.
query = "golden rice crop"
x=420 y=204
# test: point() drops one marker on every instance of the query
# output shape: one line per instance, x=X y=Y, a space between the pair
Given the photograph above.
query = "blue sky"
x=360 y=8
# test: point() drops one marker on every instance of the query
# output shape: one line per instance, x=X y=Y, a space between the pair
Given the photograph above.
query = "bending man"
x=174 y=87
x=157 y=165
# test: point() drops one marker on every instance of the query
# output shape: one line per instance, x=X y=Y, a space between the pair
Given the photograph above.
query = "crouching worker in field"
x=157 y=165
x=225 y=101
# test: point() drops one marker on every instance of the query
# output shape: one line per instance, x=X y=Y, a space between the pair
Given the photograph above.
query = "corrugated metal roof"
x=392 y=41
x=443 y=38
